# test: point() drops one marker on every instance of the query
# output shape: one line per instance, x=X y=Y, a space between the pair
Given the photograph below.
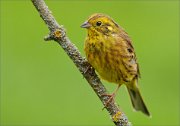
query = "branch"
x=58 y=34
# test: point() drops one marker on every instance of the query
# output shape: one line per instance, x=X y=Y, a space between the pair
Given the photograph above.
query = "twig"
x=57 y=33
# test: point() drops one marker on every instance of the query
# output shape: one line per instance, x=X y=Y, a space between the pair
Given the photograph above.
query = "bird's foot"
x=110 y=99
x=87 y=67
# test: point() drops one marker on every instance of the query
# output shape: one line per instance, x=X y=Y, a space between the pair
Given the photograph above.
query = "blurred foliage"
x=41 y=86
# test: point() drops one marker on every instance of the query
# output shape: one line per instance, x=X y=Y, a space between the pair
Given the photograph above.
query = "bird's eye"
x=98 y=23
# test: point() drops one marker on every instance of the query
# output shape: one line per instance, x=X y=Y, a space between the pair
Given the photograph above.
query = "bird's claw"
x=110 y=99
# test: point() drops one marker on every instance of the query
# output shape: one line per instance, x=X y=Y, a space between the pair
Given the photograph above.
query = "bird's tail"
x=137 y=100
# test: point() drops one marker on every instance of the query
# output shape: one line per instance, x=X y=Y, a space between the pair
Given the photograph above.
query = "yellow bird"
x=109 y=50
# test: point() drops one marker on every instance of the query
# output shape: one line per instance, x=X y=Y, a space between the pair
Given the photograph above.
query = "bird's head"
x=101 y=24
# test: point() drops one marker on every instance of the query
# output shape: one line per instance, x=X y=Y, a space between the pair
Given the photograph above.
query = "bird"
x=109 y=50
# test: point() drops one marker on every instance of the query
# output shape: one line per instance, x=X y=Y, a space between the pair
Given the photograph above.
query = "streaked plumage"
x=109 y=50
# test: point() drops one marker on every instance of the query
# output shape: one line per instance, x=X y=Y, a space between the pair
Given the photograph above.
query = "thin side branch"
x=57 y=33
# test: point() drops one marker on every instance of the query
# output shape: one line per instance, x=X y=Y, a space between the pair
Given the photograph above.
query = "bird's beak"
x=85 y=25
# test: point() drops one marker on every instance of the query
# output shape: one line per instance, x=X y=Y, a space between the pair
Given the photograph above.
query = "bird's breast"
x=99 y=55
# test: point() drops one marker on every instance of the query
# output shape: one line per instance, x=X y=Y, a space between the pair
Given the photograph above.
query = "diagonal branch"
x=57 y=33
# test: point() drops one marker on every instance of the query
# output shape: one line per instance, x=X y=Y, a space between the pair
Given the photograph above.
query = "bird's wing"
x=128 y=56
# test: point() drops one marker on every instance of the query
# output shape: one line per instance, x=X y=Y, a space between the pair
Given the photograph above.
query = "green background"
x=41 y=86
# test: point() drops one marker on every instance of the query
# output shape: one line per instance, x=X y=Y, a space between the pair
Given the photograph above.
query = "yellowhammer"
x=109 y=50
